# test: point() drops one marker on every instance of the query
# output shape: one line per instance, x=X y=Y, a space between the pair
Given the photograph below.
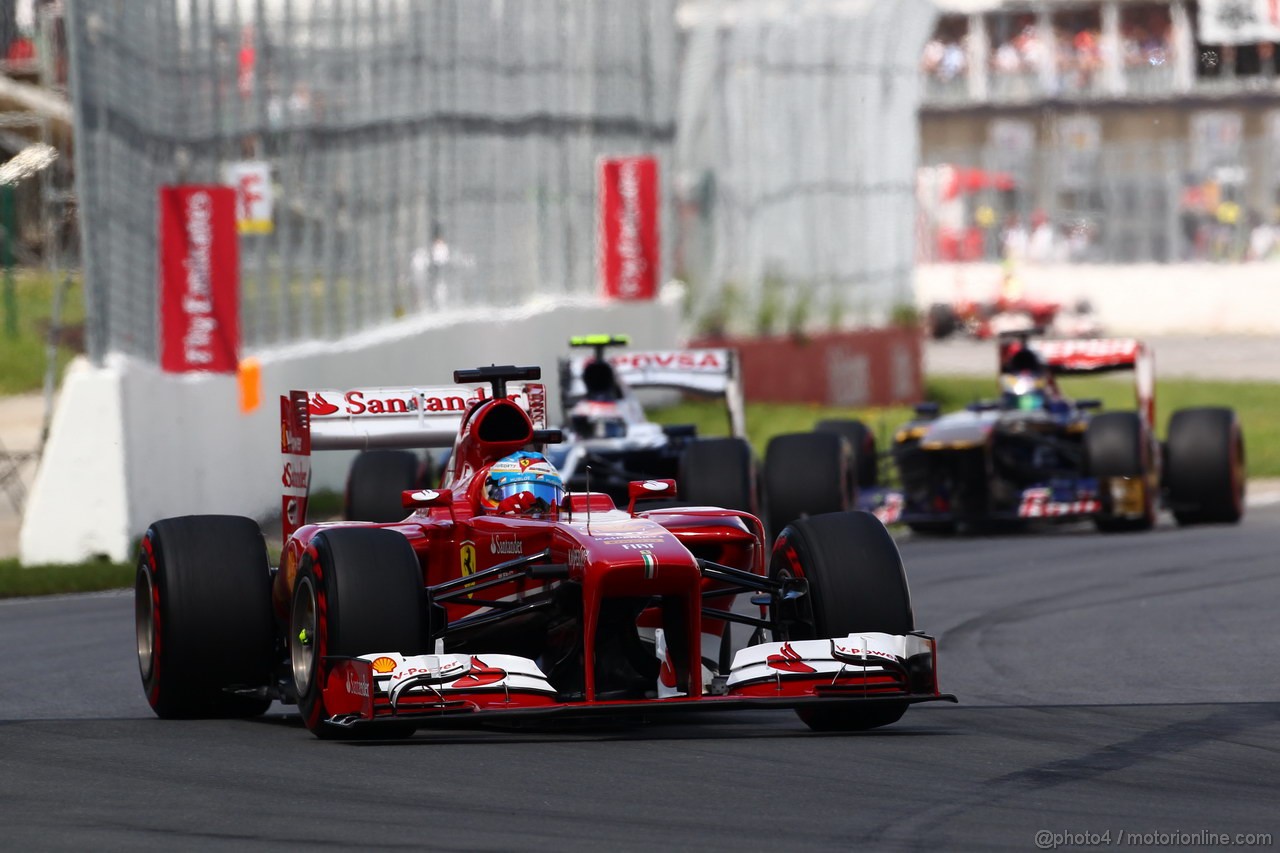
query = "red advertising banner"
x=199 y=279
x=627 y=227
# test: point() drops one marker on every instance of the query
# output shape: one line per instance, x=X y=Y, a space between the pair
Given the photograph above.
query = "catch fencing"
x=434 y=155
x=797 y=148
x=423 y=155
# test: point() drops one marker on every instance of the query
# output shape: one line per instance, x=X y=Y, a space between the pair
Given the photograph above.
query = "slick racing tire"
x=856 y=584
x=1204 y=466
x=202 y=614
x=718 y=472
x=1117 y=445
x=864 y=468
x=806 y=473
x=375 y=481
x=941 y=321
x=359 y=590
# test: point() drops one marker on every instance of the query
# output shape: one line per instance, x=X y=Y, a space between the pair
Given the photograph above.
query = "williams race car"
x=503 y=599
x=608 y=440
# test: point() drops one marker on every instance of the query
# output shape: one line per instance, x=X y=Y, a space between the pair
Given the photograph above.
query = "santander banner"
x=199 y=279
x=627 y=226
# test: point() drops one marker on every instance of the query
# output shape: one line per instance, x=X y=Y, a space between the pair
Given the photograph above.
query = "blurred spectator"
x=1015 y=240
x=1042 y=245
x=946 y=56
x=1077 y=36
x=1017 y=55
x=1263 y=238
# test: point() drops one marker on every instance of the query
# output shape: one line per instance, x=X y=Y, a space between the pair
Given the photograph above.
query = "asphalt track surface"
x=1122 y=683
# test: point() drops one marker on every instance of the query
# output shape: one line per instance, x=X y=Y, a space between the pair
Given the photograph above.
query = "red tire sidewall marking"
x=316 y=710
x=157 y=634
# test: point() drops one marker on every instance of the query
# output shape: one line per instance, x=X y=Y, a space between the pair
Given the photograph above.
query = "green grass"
x=1257 y=404
x=49 y=580
x=23 y=355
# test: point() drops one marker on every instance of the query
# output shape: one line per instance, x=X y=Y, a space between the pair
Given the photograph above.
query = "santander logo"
x=788 y=660
x=480 y=675
x=319 y=406
x=356 y=685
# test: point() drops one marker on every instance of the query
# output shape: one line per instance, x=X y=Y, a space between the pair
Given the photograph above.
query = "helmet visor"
x=546 y=495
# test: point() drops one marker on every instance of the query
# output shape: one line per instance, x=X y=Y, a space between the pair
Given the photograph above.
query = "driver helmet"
x=525 y=484
x=1025 y=390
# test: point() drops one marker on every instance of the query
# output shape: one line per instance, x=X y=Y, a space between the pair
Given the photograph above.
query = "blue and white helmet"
x=520 y=473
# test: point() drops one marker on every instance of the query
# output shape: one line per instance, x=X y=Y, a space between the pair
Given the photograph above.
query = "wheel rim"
x=144 y=619
x=302 y=635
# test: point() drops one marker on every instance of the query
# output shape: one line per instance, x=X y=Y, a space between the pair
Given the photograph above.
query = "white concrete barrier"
x=1137 y=299
x=130 y=444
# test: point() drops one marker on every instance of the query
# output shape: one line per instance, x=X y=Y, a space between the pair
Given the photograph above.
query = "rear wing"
x=1097 y=355
x=365 y=418
x=710 y=372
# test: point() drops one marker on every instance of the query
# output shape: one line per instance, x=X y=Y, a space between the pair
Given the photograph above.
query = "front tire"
x=359 y=590
x=806 y=473
x=856 y=584
x=202 y=614
x=864 y=464
x=1118 y=446
x=1205 y=466
x=718 y=472
x=375 y=482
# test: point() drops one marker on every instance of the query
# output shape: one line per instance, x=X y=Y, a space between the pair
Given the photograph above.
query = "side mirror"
x=648 y=490
x=928 y=409
x=424 y=498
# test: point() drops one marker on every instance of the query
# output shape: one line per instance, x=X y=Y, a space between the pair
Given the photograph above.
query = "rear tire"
x=374 y=484
x=806 y=473
x=1204 y=460
x=719 y=472
x=1117 y=445
x=358 y=591
x=202 y=614
x=864 y=466
x=856 y=583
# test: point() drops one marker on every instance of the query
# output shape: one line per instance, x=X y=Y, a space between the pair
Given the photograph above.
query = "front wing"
x=1079 y=500
x=449 y=689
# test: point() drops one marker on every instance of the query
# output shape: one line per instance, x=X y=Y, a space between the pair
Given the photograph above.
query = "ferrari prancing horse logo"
x=467 y=555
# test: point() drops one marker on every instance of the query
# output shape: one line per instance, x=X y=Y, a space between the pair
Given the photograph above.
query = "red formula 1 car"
x=499 y=598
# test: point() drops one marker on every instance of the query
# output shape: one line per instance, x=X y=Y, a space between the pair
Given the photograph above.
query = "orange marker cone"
x=249 y=375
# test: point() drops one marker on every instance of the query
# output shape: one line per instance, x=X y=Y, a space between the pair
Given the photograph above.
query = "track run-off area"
x=1122 y=684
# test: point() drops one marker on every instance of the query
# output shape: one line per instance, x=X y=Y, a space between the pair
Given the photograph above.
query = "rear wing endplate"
x=367 y=418
x=1099 y=355
x=710 y=372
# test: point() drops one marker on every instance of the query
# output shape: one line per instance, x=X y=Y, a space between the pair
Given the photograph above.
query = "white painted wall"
x=130 y=444
x=1139 y=299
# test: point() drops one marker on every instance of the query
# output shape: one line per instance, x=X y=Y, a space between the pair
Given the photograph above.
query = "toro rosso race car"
x=1034 y=454
x=501 y=598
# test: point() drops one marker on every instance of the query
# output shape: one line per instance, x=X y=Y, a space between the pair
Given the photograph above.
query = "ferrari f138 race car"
x=1034 y=454
x=608 y=440
x=501 y=598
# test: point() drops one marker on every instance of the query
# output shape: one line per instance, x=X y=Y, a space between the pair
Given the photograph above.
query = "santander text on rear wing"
x=713 y=372
x=366 y=418
x=1097 y=355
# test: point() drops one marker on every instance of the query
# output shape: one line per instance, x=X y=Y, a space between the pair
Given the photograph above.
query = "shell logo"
x=383 y=665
